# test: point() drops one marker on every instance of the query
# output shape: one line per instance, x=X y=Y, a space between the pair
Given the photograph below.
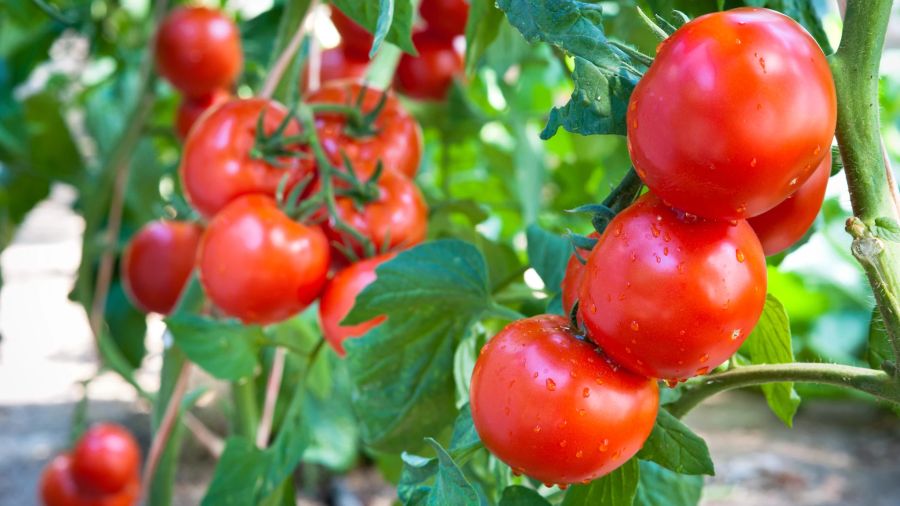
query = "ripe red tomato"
x=734 y=115
x=338 y=299
x=397 y=141
x=58 y=488
x=356 y=39
x=198 y=50
x=554 y=407
x=785 y=224
x=258 y=265
x=445 y=18
x=336 y=65
x=571 y=283
x=192 y=108
x=669 y=297
x=157 y=263
x=217 y=166
x=429 y=75
x=397 y=219
x=105 y=460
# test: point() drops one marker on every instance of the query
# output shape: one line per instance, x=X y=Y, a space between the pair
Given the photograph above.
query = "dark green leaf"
x=388 y=20
x=805 y=13
x=548 y=254
x=770 y=343
x=660 y=487
x=615 y=489
x=465 y=438
x=127 y=325
x=226 y=349
x=518 y=495
x=887 y=229
x=674 y=446
x=482 y=28
x=450 y=486
x=412 y=489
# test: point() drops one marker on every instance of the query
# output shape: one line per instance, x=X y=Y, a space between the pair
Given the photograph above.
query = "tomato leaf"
x=482 y=28
x=660 y=487
x=226 y=349
x=548 y=254
x=517 y=495
x=879 y=348
x=615 y=489
x=464 y=440
x=450 y=486
x=402 y=370
x=387 y=20
x=675 y=446
x=770 y=343
x=887 y=229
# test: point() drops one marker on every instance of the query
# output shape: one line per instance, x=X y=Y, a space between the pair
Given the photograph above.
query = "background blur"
x=483 y=146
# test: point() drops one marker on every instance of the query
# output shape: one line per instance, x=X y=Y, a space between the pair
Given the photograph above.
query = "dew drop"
x=598 y=380
x=633 y=256
x=622 y=296
x=618 y=231
x=634 y=124
x=681 y=362
x=585 y=482
x=579 y=454
x=593 y=308
x=702 y=370
x=582 y=412
x=666 y=251
x=753 y=162
x=586 y=392
x=681 y=268
x=551 y=385
x=604 y=445
x=627 y=350
x=562 y=424
x=793 y=182
x=563 y=486
x=633 y=105
x=563 y=443
x=737 y=41
x=667 y=237
x=537 y=428
x=762 y=63
x=654 y=230
x=535 y=375
x=739 y=255
x=573 y=374
x=818 y=148
x=635 y=326
x=658 y=258
x=704 y=358
x=681 y=332
x=736 y=333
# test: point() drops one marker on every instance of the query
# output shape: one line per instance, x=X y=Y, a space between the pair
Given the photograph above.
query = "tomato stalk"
x=873 y=192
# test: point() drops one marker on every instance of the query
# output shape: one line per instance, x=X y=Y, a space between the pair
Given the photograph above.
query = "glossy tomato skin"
x=356 y=39
x=157 y=263
x=429 y=75
x=445 y=18
x=734 y=115
x=397 y=141
x=554 y=407
x=58 y=488
x=198 y=50
x=336 y=65
x=785 y=224
x=339 y=296
x=217 y=166
x=396 y=219
x=669 y=297
x=571 y=283
x=191 y=108
x=106 y=459
x=258 y=265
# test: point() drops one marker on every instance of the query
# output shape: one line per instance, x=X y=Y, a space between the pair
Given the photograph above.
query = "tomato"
x=58 y=488
x=671 y=297
x=258 y=265
x=338 y=299
x=571 y=283
x=157 y=263
x=396 y=141
x=785 y=224
x=429 y=75
x=734 y=114
x=198 y=50
x=553 y=407
x=106 y=459
x=336 y=65
x=445 y=18
x=217 y=166
x=396 y=219
x=356 y=39
x=191 y=108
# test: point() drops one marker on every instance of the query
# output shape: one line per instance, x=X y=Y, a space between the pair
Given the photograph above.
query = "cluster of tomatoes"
x=102 y=470
x=730 y=129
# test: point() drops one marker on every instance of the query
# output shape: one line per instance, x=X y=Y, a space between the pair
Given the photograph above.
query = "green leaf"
x=329 y=415
x=660 y=487
x=770 y=343
x=887 y=229
x=127 y=325
x=387 y=20
x=548 y=254
x=879 y=348
x=464 y=440
x=450 y=486
x=482 y=28
x=518 y=495
x=226 y=349
x=402 y=370
x=674 y=446
x=412 y=488
x=615 y=489
x=47 y=127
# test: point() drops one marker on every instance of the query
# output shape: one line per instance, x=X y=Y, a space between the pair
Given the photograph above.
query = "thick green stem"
x=876 y=383
x=246 y=411
x=873 y=194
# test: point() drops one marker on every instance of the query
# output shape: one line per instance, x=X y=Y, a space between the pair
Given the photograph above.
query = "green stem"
x=873 y=193
x=246 y=410
x=876 y=383
x=291 y=19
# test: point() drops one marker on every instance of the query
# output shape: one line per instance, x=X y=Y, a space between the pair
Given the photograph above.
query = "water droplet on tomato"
x=736 y=333
x=635 y=326
x=537 y=428
x=704 y=358
x=604 y=445
x=562 y=444
x=582 y=412
x=739 y=255
x=753 y=162
x=551 y=385
x=586 y=392
x=579 y=454
x=702 y=370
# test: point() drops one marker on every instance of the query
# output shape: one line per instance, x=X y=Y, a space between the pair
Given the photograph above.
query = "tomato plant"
x=429 y=75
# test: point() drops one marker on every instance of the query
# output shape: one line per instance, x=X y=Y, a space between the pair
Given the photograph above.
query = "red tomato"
x=106 y=459
x=669 y=297
x=192 y=108
x=397 y=219
x=217 y=166
x=571 y=283
x=198 y=50
x=338 y=299
x=58 y=488
x=553 y=407
x=356 y=39
x=157 y=263
x=734 y=115
x=397 y=141
x=445 y=18
x=785 y=224
x=336 y=65
x=429 y=75
x=258 y=265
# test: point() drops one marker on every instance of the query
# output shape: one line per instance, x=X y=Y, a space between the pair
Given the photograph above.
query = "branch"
x=284 y=59
x=876 y=383
x=272 y=388
x=165 y=427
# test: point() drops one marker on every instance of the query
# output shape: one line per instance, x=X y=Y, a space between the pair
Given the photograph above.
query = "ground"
x=838 y=453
